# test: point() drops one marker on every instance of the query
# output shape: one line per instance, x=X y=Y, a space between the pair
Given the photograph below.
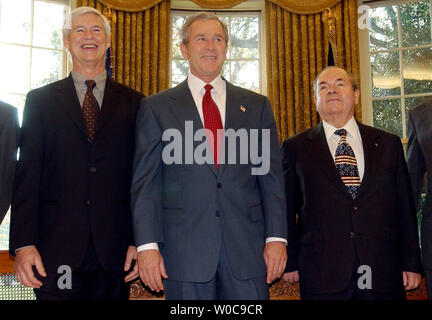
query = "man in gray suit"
x=419 y=159
x=9 y=129
x=216 y=215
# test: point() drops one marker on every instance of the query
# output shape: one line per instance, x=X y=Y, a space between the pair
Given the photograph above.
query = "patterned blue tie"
x=346 y=164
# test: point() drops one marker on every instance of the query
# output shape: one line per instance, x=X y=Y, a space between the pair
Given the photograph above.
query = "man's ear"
x=356 y=96
x=183 y=50
x=66 y=42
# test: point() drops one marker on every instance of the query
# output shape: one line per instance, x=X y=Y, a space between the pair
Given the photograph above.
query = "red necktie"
x=90 y=109
x=212 y=121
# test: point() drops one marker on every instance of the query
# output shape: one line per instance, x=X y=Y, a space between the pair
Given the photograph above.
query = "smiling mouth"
x=89 y=46
x=209 y=57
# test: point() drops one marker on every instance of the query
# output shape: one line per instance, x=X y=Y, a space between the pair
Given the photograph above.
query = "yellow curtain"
x=140 y=42
x=297 y=49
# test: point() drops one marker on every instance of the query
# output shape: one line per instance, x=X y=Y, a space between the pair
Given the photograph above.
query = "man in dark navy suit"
x=9 y=129
x=419 y=160
x=356 y=234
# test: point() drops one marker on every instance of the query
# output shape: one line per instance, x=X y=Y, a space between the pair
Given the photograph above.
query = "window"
x=31 y=48
x=31 y=54
x=243 y=64
x=400 y=61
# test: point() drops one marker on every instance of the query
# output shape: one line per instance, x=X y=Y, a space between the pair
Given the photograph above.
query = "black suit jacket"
x=9 y=129
x=419 y=159
x=380 y=224
x=69 y=190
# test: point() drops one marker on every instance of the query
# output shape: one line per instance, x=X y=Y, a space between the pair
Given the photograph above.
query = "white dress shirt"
x=218 y=93
x=353 y=138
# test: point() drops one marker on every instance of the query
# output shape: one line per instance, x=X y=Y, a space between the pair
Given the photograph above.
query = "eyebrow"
x=83 y=26
x=206 y=34
x=339 y=79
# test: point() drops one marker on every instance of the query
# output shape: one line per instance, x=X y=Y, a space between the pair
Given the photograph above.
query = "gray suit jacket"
x=419 y=159
x=188 y=209
x=9 y=129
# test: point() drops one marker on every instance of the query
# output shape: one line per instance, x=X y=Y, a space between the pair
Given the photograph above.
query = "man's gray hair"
x=185 y=29
x=353 y=80
x=79 y=12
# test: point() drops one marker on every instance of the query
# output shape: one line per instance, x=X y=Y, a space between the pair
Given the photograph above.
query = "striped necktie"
x=346 y=164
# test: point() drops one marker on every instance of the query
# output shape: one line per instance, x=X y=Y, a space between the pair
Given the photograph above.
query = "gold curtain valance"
x=130 y=5
x=217 y=4
x=305 y=6
x=295 y=6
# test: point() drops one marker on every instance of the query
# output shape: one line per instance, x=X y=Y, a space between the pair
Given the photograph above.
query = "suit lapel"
x=372 y=155
x=184 y=109
x=183 y=106
x=68 y=99
x=111 y=101
x=233 y=116
x=319 y=153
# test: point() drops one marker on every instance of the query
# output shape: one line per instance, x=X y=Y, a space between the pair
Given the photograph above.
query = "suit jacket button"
x=352 y=235
x=88 y=202
x=219 y=185
x=93 y=169
x=355 y=208
x=217 y=213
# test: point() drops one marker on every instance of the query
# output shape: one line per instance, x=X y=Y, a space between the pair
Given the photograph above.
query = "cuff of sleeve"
x=148 y=246
x=16 y=250
x=271 y=239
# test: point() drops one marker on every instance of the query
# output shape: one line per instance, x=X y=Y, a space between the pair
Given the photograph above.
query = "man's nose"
x=210 y=43
x=331 y=90
x=88 y=34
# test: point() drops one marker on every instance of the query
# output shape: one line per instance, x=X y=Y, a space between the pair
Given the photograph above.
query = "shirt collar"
x=351 y=127
x=196 y=85
x=79 y=80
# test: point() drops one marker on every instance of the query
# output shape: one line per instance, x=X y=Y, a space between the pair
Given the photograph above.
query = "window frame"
x=365 y=67
x=64 y=58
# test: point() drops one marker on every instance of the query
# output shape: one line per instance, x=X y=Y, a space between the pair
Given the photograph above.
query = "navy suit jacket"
x=379 y=225
x=9 y=129
x=70 y=191
x=188 y=209
x=419 y=159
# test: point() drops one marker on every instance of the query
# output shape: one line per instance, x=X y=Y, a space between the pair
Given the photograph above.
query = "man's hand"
x=275 y=258
x=291 y=277
x=131 y=255
x=25 y=259
x=411 y=280
x=151 y=269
